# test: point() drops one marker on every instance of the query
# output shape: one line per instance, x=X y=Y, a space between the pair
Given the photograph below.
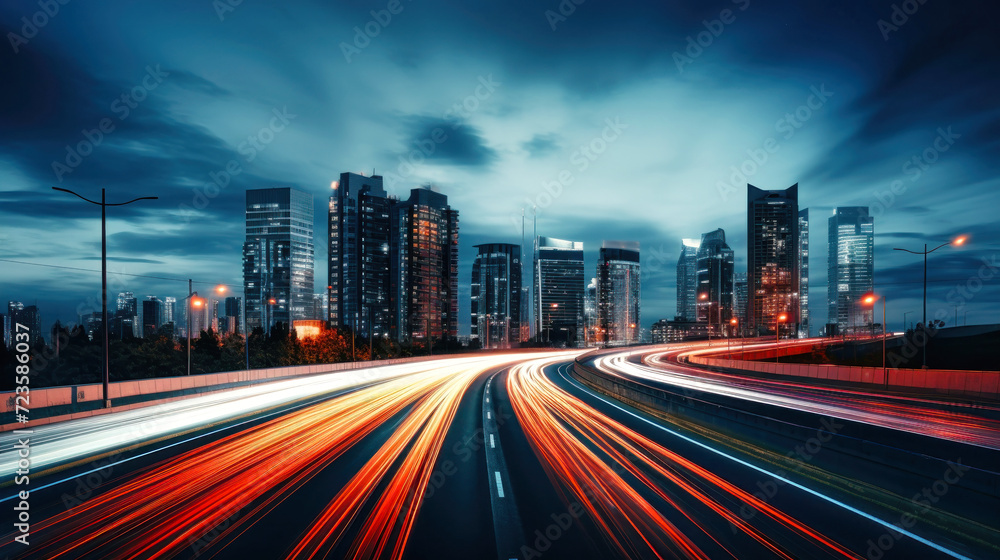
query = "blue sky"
x=632 y=121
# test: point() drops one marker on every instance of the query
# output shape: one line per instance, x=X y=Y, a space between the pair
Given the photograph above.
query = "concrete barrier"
x=75 y=401
x=960 y=383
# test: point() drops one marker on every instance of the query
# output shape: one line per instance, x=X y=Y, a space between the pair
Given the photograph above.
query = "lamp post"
x=221 y=289
x=958 y=241
x=191 y=299
x=780 y=318
x=734 y=321
x=104 y=274
x=870 y=300
x=904 y=319
x=708 y=314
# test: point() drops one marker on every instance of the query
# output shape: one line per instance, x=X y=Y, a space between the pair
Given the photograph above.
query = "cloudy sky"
x=630 y=121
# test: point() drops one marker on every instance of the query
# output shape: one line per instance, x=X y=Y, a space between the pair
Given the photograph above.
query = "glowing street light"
x=957 y=242
x=781 y=318
x=221 y=289
x=870 y=299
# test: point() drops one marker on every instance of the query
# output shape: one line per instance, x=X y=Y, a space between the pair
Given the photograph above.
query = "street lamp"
x=781 y=318
x=870 y=300
x=958 y=242
x=221 y=289
x=104 y=273
x=708 y=315
x=734 y=321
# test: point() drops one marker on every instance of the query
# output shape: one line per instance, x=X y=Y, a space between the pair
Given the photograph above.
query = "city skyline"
x=844 y=129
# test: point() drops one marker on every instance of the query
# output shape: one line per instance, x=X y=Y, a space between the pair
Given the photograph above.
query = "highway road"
x=511 y=456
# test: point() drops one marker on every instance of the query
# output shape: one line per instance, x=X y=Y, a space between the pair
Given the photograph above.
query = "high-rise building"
x=234 y=314
x=687 y=280
x=851 y=267
x=740 y=298
x=804 y=273
x=496 y=295
x=169 y=308
x=25 y=315
x=359 y=267
x=278 y=256
x=152 y=316
x=618 y=292
x=558 y=301
x=321 y=307
x=423 y=268
x=591 y=321
x=715 y=281
x=125 y=320
x=772 y=259
x=5 y=328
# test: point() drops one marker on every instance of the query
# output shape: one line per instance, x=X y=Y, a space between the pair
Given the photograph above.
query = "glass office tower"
x=804 y=273
x=687 y=280
x=558 y=277
x=772 y=259
x=278 y=256
x=715 y=281
x=618 y=292
x=496 y=295
x=424 y=268
x=851 y=267
x=358 y=266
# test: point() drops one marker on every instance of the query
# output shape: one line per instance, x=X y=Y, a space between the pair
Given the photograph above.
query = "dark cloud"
x=542 y=145
x=449 y=142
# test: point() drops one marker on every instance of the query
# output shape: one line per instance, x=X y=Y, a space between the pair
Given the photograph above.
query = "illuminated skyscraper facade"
x=715 y=281
x=851 y=267
x=687 y=280
x=278 y=256
x=496 y=295
x=558 y=301
x=804 y=273
x=773 y=260
x=424 y=268
x=359 y=266
x=618 y=293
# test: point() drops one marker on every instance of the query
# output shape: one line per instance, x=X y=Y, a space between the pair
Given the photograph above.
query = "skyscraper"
x=740 y=299
x=804 y=273
x=715 y=281
x=359 y=283
x=424 y=268
x=591 y=321
x=169 y=306
x=152 y=313
x=125 y=321
x=558 y=277
x=687 y=280
x=772 y=259
x=278 y=256
x=25 y=315
x=851 y=266
x=496 y=295
x=618 y=292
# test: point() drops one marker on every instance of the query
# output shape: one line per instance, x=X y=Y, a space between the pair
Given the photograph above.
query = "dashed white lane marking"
x=492 y=443
x=499 y=484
